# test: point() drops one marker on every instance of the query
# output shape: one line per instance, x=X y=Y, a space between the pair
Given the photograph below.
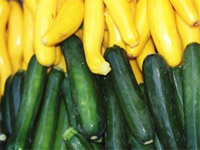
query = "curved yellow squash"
x=136 y=71
x=58 y=55
x=93 y=32
x=162 y=26
x=31 y=5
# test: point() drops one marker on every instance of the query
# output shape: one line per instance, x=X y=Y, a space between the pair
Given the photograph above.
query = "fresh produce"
x=3 y=136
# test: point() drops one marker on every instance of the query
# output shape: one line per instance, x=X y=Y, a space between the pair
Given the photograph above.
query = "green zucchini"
x=159 y=89
x=3 y=136
x=130 y=97
x=75 y=141
x=115 y=136
x=7 y=112
x=45 y=127
x=90 y=115
x=65 y=87
x=191 y=95
x=16 y=91
x=32 y=93
x=62 y=125
x=157 y=145
x=98 y=146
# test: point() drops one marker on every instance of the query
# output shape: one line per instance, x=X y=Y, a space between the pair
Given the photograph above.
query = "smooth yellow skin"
x=105 y=39
x=93 y=32
x=15 y=35
x=45 y=16
x=67 y=22
x=114 y=36
x=24 y=65
x=79 y=33
x=147 y=50
x=187 y=33
x=28 y=27
x=186 y=10
x=62 y=64
x=5 y=66
x=123 y=17
x=162 y=25
x=133 y=4
x=197 y=6
x=31 y=5
x=59 y=5
x=142 y=28
x=136 y=71
x=58 y=54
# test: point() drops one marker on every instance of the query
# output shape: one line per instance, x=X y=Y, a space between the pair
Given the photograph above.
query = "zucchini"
x=132 y=103
x=115 y=136
x=62 y=125
x=98 y=146
x=159 y=89
x=191 y=94
x=69 y=103
x=47 y=121
x=157 y=145
x=90 y=115
x=75 y=141
x=178 y=91
x=3 y=136
x=16 y=91
x=32 y=92
x=7 y=112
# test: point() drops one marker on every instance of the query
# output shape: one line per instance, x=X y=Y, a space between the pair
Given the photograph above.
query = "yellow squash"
x=142 y=28
x=133 y=4
x=31 y=5
x=93 y=32
x=162 y=25
x=58 y=55
x=187 y=33
x=197 y=4
x=59 y=5
x=114 y=36
x=68 y=20
x=15 y=35
x=136 y=71
x=62 y=64
x=147 y=50
x=124 y=19
x=45 y=16
x=186 y=10
x=79 y=33
x=28 y=27
x=5 y=66
x=105 y=39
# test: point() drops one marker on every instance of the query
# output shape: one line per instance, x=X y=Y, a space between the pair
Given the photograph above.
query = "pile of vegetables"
x=99 y=74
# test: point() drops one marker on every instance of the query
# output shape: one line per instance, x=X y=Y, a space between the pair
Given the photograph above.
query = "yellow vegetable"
x=197 y=4
x=68 y=20
x=62 y=64
x=105 y=39
x=142 y=28
x=59 y=5
x=5 y=67
x=187 y=33
x=114 y=37
x=162 y=25
x=15 y=35
x=24 y=65
x=93 y=32
x=58 y=55
x=28 y=27
x=45 y=16
x=31 y=5
x=186 y=10
x=124 y=19
x=133 y=4
x=136 y=71
x=79 y=33
x=147 y=50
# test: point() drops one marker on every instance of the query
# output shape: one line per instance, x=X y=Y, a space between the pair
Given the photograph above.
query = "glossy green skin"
x=7 y=113
x=178 y=91
x=32 y=92
x=16 y=91
x=191 y=95
x=98 y=146
x=45 y=132
x=3 y=131
x=89 y=105
x=132 y=103
x=78 y=142
x=157 y=145
x=115 y=136
x=162 y=102
x=69 y=101
x=62 y=125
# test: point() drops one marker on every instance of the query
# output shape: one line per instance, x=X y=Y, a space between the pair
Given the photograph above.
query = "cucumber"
x=7 y=112
x=115 y=136
x=16 y=91
x=90 y=115
x=98 y=146
x=65 y=88
x=47 y=121
x=32 y=92
x=191 y=94
x=75 y=141
x=130 y=97
x=62 y=125
x=178 y=91
x=3 y=136
x=159 y=89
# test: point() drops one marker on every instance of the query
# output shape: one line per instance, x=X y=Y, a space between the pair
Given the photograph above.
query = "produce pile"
x=99 y=74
